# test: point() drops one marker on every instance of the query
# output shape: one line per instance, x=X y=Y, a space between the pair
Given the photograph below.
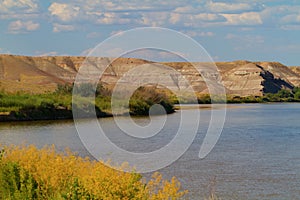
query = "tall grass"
x=30 y=173
x=23 y=100
x=24 y=106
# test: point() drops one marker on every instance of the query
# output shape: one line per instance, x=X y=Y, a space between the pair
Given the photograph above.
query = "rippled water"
x=256 y=157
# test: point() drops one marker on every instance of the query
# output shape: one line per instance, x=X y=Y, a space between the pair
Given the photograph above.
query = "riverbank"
x=58 y=105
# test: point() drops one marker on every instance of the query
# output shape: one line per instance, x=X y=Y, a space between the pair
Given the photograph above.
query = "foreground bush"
x=29 y=173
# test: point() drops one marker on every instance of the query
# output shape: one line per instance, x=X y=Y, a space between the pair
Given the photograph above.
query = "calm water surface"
x=256 y=157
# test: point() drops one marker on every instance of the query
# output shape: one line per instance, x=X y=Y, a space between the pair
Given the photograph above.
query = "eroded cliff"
x=243 y=78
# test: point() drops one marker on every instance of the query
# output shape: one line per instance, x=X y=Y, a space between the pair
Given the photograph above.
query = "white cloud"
x=155 y=18
x=290 y=19
x=118 y=5
x=186 y=9
x=19 y=9
x=247 y=18
x=61 y=28
x=281 y=15
x=183 y=13
x=22 y=26
x=208 y=17
x=112 y=18
x=209 y=6
x=105 y=12
x=195 y=20
x=220 y=7
x=175 y=18
x=22 y=16
x=192 y=14
x=199 y=33
x=281 y=10
x=7 y=6
x=64 y=12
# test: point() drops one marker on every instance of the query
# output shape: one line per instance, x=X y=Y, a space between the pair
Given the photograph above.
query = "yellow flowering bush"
x=31 y=173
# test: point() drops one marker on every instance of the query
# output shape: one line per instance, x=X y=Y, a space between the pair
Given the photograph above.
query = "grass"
x=24 y=106
x=18 y=101
x=58 y=104
x=282 y=95
x=31 y=173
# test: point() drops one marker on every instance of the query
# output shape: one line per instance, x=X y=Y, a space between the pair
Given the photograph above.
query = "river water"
x=256 y=157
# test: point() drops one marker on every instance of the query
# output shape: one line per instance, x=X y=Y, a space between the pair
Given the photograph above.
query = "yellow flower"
x=47 y=174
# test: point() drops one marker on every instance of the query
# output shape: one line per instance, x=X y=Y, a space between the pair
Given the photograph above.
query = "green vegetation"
x=58 y=104
x=143 y=98
x=30 y=173
x=22 y=106
x=245 y=99
x=282 y=95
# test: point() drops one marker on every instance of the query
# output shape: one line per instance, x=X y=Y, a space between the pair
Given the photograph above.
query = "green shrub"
x=138 y=107
x=16 y=183
x=296 y=93
x=283 y=93
x=145 y=97
x=64 y=89
x=204 y=99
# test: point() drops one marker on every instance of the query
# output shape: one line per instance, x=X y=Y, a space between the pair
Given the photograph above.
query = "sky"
x=267 y=30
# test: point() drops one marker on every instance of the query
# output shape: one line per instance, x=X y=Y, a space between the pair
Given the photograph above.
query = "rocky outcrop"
x=296 y=70
x=243 y=78
x=258 y=78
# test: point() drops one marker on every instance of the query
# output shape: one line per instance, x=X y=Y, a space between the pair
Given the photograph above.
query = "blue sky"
x=228 y=30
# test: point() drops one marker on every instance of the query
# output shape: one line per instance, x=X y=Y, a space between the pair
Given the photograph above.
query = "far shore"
x=8 y=117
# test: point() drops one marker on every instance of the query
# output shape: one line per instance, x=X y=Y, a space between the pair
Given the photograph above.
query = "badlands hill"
x=42 y=74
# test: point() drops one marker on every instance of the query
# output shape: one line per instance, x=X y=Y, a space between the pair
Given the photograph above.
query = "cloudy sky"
x=229 y=30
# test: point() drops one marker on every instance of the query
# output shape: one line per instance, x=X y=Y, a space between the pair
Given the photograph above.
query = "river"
x=256 y=157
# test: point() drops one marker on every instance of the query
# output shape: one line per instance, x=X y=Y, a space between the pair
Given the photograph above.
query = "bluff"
x=243 y=78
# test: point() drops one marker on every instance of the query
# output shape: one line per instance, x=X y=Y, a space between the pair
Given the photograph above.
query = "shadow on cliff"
x=272 y=84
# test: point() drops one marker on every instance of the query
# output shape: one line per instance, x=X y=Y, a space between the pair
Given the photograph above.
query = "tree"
x=296 y=92
x=283 y=93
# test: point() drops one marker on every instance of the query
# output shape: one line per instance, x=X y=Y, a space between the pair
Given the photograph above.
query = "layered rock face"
x=243 y=78
x=258 y=78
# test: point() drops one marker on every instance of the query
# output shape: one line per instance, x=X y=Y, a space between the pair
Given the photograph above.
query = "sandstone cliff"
x=42 y=74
